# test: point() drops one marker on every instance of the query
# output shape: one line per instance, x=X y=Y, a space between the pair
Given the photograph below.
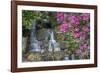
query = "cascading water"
x=53 y=45
x=34 y=44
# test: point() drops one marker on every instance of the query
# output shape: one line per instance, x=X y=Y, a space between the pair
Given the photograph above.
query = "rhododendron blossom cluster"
x=78 y=25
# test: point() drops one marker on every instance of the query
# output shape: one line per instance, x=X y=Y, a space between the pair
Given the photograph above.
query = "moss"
x=58 y=55
x=34 y=57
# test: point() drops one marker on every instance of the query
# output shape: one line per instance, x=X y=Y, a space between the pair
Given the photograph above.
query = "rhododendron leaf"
x=81 y=22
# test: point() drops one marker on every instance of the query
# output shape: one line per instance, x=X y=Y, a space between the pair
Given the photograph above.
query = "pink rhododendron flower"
x=75 y=34
x=81 y=47
x=84 y=46
x=85 y=16
x=60 y=19
x=59 y=16
x=66 y=15
x=63 y=27
x=74 y=20
x=82 y=35
x=76 y=29
x=85 y=28
x=78 y=51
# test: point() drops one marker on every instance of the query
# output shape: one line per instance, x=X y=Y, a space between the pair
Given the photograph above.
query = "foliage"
x=37 y=16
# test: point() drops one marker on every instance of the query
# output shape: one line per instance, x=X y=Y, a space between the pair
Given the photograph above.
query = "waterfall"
x=53 y=45
x=34 y=44
x=52 y=37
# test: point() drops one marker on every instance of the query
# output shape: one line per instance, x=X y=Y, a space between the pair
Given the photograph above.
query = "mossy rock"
x=24 y=44
x=47 y=56
x=34 y=56
x=41 y=34
x=60 y=37
x=64 y=45
x=53 y=56
x=58 y=55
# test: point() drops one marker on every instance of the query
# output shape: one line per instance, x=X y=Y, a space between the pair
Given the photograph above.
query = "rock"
x=24 y=44
x=34 y=56
x=58 y=55
x=59 y=37
x=63 y=45
x=47 y=56
x=41 y=34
